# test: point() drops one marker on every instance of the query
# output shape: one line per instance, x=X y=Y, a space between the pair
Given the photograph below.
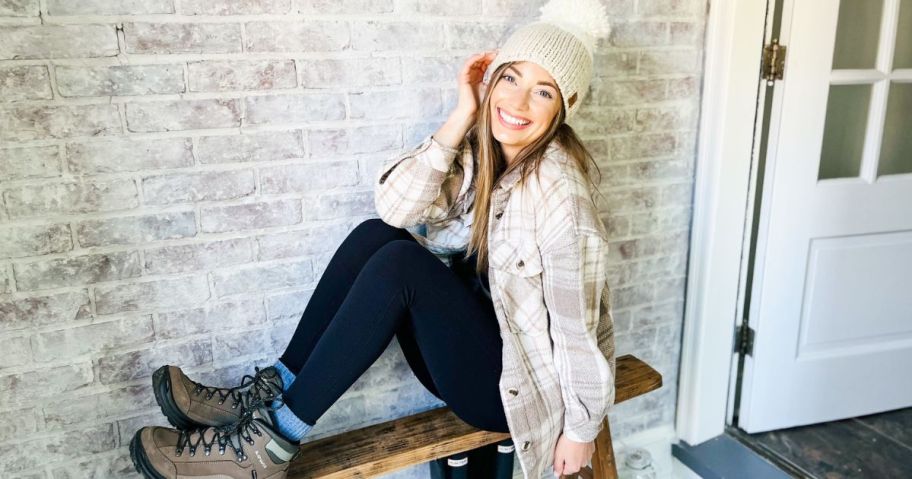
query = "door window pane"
x=844 y=131
x=857 y=33
x=902 y=56
x=896 y=147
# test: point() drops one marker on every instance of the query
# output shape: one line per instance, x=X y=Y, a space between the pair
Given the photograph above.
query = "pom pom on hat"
x=562 y=41
x=587 y=19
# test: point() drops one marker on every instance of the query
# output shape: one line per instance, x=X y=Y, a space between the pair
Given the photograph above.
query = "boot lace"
x=233 y=435
x=262 y=385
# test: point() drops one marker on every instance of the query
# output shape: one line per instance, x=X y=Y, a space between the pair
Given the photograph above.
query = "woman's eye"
x=507 y=76
x=547 y=94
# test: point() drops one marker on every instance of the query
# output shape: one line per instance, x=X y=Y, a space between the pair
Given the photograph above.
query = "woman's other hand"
x=471 y=85
x=571 y=456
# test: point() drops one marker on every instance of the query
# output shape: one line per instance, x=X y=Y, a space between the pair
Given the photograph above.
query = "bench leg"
x=603 y=465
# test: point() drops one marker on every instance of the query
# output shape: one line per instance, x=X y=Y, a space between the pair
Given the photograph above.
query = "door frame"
x=722 y=215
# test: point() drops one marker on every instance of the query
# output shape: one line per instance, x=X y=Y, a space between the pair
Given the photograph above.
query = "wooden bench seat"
x=389 y=446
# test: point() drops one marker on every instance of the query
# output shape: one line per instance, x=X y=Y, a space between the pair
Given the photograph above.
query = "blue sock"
x=288 y=377
x=288 y=424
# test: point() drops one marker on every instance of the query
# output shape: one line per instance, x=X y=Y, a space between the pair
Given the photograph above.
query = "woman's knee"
x=373 y=226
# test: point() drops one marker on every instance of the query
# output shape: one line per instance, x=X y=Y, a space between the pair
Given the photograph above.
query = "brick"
x=664 y=62
x=395 y=104
x=287 y=306
x=445 y=7
x=360 y=7
x=435 y=68
x=16 y=352
x=78 y=270
x=352 y=72
x=235 y=7
x=24 y=123
x=17 y=423
x=31 y=82
x=57 y=41
x=262 y=278
x=22 y=163
x=182 y=37
x=152 y=295
x=120 y=80
x=299 y=36
x=98 y=407
x=218 y=219
x=70 y=198
x=333 y=142
x=34 y=240
x=614 y=64
x=109 y=7
x=474 y=36
x=277 y=109
x=340 y=205
x=642 y=146
x=199 y=256
x=378 y=36
x=136 y=229
x=141 y=364
x=232 y=315
x=242 y=75
x=18 y=8
x=21 y=313
x=308 y=176
x=31 y=386
x=313 y=240
x=102 y=465
x=183 y=115
x=63 y=446
x=118 y=155
x=257 y=147
x=664 y=118
x=679 y=88
x=92 y=338
x=669 y=7
x=231 y=345
x=192 y=187
x=639 y=34
x=627 y=92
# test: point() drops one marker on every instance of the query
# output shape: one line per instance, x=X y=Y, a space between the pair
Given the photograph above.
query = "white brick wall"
x=167 y=166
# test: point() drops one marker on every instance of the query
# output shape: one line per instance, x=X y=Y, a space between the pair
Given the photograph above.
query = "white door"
x=832 y=292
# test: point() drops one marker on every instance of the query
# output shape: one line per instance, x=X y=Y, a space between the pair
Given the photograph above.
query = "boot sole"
x=140 y=460
x=161 y=385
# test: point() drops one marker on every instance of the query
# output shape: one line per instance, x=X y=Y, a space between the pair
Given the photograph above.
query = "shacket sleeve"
x=574 y=272
x=421 y=185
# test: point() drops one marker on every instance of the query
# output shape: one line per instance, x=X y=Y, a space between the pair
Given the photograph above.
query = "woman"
x=529 y=351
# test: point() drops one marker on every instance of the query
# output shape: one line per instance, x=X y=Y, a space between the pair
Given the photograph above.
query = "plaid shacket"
x=548 y=262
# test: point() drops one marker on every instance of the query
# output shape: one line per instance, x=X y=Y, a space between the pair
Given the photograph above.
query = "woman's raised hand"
x=471 y=85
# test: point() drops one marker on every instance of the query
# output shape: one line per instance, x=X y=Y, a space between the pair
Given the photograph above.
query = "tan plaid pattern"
x=548 y=275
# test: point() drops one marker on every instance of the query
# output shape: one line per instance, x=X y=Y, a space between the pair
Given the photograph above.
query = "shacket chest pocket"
x=517 y=267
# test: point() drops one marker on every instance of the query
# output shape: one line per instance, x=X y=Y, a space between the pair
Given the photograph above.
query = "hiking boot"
x=188 y=404
x=251 y=448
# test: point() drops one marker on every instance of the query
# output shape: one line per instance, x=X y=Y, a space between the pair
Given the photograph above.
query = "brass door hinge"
x=773 y=62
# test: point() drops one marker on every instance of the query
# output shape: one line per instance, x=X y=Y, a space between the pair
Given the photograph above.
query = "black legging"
x=379 y=283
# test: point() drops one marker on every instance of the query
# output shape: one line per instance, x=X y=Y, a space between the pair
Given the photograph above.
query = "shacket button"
x=520 y=264
x=512 y=391
x=525 y=445
x=498 y=215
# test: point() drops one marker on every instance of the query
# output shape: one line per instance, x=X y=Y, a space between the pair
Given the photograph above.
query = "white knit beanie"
x=562 y=42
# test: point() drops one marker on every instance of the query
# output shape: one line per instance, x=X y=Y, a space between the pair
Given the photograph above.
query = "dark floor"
x=876 y=446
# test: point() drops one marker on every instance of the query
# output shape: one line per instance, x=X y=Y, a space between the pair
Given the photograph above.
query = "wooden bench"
x=400 y=443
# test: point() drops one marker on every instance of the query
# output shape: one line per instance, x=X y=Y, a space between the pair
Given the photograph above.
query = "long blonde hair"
x=491 y=164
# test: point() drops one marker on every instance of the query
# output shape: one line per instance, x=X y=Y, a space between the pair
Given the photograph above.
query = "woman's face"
x=523 y=103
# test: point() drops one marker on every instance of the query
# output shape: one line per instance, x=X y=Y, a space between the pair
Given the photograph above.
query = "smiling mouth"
x=512 y=120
